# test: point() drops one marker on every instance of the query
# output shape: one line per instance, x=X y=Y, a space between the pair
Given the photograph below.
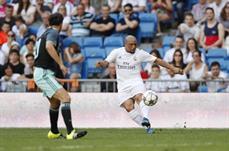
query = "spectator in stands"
x=8 y=16
x=109 y=86
x=163 y=9
x=148 y=67
x=178 y=59
x=196 y=70
x=179 y=7
x=74 y=58
x=224 y=18
x=115 y=5
x=175 y=84
x=179 y=44
x=188 y=29
x=10 y=42
x=88 y=8
x=63 y=11
x=79 y=24
x=215 y=74
x=129 y=23
x=44 y=26
x=40 y=9
x=212 y=33
x=26 y=10
x=8 y=77
x=3 y=6
x=69 y=6
x=20 y=29
x=14 y=59
x=155 y=85
x=198 y=11
x=218 y=5
x=5 y=28
x=138 y=5
x=103 y=25
x=29 y=66
x=191 y=46
x=28 y=48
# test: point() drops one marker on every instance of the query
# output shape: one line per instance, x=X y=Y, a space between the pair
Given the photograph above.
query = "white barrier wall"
x=95 y=110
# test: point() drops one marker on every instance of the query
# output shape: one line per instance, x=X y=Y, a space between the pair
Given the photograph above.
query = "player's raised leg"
x=64 y=97
x=145 y=112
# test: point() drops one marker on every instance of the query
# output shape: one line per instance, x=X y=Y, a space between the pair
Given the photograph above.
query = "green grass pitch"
x=12 y=139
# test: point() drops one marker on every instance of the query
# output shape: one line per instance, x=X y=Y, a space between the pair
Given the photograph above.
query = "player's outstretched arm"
x=168 y=66
x=102 y=64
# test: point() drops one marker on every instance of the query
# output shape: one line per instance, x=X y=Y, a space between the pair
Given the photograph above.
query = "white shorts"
x=130 y=91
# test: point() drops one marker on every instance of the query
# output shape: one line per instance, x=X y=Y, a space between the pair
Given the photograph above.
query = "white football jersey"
x=128 y=66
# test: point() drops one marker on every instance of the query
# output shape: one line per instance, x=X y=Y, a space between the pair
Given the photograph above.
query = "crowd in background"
x=205 y=25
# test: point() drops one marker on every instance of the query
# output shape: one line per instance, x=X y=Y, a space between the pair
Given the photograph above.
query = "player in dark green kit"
x=47 y=61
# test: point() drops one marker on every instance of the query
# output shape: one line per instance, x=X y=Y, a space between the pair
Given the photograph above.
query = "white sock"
x=145 y=109
x=136 y=116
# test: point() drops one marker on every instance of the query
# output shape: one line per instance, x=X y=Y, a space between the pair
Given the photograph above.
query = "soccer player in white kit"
x=128 y=61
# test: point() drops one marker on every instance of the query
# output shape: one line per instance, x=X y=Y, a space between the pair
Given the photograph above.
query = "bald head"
x=130 y=38
x=130 y=44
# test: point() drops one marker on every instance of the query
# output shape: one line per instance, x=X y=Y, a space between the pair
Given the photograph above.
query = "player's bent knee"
x=128 y=107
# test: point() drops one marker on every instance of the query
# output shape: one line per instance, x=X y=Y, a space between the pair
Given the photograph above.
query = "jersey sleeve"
x=146 y=57
x=52 y=36
x=112 y=56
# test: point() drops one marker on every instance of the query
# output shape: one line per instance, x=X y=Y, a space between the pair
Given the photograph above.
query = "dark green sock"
x=53 y=113
x=66 y=113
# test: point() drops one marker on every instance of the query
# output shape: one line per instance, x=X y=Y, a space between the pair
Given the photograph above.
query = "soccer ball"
x=150 y=98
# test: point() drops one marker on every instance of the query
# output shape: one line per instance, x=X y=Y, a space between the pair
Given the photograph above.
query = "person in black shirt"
x=47 y=62
x=103 y=25
x=14 y=59
x=129 y=23
x=9 y=16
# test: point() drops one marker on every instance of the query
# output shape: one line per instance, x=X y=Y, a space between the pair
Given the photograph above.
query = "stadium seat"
x=148 y=24
x=92 y=42
x=67 y=41
x=168 y=40
x=114 y=16
x=94 y=52
x=90 y=67
x=109 y=49
x=113 y=41
x=203 y=89
x=216 y=53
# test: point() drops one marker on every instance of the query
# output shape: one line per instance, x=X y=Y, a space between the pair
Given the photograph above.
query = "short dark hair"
x=14 y=51
x=29 y=55
x=7 y=65
x=28 y=41
x=215 y=63
x=189 y=14
x=209 y=8
x=128 y=5
x=180 y=36
x=155 y=66
x=199 y=52
x=56 y=19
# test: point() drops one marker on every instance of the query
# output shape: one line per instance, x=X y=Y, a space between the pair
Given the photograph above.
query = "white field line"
x=72 y=147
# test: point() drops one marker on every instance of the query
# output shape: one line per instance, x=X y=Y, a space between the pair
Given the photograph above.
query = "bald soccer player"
x=128 y=61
